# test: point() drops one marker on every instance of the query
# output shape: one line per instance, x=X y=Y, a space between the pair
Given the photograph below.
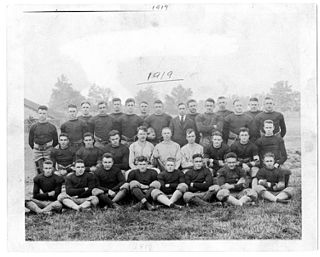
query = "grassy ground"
x=263 y=221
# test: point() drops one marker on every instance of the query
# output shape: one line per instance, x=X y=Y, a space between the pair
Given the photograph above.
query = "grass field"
x=262 y=221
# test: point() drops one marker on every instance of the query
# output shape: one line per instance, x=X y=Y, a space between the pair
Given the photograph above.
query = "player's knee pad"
x=223 y=195
x=134 y=184
x=125 y=186
x=259 y=189
x=62 y=196
x=155 y=193
x=182 y=187
x=94 y=201
x=187 y=196
x=155 y=184
x=289 y=191
x=214 y=188
x=251 y=193
x=57 y=205
x=97 y=191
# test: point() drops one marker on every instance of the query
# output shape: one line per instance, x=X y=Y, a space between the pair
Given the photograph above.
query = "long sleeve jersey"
x=85 y=119
x=109 y=179
x=233 y=122
x=276 y=117
x=172 y=178
x=224 y=113
x=117 y=116
x=144 y=178
x=101 y=125
x=90 y=156
x=64 y=157
x=273 y=176
x=226 y=175
x=201 y=179
x=164 y=150
x=120 y=155
x=75 y=185
x=137 y=149
x=46 y=185
x=75 y=129
x=158 y=122
x=273 y=144
x=216 y=154
x=244 y=152
x=42 y=133
x=208 y=122
x=187 y=152
x=129 y=124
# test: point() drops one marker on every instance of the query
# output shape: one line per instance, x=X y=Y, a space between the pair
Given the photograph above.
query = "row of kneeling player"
x=107 y=187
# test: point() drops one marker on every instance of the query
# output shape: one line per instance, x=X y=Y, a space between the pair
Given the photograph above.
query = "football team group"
x=109 y=160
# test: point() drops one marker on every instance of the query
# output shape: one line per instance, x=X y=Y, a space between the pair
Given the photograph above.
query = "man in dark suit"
x=180 y=124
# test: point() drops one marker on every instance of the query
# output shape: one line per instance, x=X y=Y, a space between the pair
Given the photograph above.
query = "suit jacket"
x=179 y=129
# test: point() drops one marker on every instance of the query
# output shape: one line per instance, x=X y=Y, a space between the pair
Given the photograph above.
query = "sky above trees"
x=215 y=49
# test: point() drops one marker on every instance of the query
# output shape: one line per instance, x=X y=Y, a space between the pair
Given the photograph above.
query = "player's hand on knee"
x=111 y=193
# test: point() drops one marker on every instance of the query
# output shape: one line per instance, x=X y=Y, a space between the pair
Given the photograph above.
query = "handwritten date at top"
x=160 y=7
x=160 y=75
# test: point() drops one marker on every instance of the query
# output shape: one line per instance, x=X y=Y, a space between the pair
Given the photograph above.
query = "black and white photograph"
x=158 y=127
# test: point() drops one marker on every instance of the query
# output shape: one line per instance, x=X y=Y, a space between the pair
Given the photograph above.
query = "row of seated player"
x=248 y=153
x=106 y=186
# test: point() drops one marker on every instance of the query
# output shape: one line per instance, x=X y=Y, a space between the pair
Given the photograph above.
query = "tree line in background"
x=63 y=94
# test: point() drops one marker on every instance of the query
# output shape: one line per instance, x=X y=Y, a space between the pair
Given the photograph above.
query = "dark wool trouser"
x=139 y=194
x=105 y=200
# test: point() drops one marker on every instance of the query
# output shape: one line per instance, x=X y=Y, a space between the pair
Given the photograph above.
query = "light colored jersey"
x=137 y=149
x=164 y=150
x=187 y=152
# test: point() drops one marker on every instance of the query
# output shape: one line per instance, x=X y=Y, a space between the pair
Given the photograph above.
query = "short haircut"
x=210 y=100
x=189 y=131
x=197 y=155
x=88 y=134
x=268 y=122
x=116 y=99
x=222 y=97
x=107 y=155
x=243 y=129
x=64 y=135
x=130 y=100
x=142 y=159
x=78 y=161
x=143 y=128
x=144 y=102
x=268 y=98
x=253 y=99
x=181 y=104
x=191 y=101
x=166 y=128
x=85 y=102
x=158 y=102
x=269 y=154
x=113 y=133
x=216 y=133
x=48 y=162
x=102 y=102
x=171 y=159
x=235 y=101
x=231 y=155
x=72 y=106
x=43 y=107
